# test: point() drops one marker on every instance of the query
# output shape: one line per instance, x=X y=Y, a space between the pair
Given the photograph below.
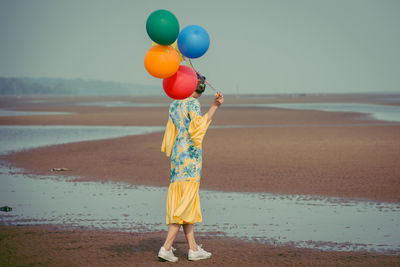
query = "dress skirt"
x=183 y=203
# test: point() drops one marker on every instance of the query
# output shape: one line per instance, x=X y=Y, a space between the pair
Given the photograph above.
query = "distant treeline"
x=58 y=86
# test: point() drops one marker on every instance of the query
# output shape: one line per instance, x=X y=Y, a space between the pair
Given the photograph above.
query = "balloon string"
x=191 y=65
x=215 y=90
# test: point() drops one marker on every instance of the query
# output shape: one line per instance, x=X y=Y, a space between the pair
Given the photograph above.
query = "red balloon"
x=182 y=84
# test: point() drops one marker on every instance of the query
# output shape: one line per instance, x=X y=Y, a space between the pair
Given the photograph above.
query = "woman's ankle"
x=193 y=247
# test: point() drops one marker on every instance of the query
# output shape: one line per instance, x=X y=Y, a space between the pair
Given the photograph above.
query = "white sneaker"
x=167 y=255
x=200 y=254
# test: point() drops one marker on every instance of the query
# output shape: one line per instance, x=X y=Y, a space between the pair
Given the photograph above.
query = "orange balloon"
x=161 y=61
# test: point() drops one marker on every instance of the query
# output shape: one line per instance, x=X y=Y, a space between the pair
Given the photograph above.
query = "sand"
x=276 y=151
x=55 y=246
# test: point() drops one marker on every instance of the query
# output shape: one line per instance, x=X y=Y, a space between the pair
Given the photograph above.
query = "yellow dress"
x=182 y=142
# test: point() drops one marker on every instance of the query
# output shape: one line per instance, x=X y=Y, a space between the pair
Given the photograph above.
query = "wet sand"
x=55 y=246
x=305 y=152
x=357 y=162
x=295 y=152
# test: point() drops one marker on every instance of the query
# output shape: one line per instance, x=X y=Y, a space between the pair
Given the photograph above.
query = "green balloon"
x=162 y=27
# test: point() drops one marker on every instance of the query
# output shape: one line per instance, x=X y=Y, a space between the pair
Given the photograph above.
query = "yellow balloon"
x=174 y=46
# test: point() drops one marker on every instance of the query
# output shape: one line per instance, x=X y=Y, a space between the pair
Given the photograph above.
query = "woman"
x=182 y=142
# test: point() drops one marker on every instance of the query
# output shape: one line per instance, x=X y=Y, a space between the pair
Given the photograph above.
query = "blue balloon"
x=193 y=41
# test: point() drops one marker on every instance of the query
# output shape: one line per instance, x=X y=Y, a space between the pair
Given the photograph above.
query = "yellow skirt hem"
x=183 y=203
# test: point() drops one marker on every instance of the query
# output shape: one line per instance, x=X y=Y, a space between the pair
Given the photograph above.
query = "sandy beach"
x=55 y=246
x=272 y=150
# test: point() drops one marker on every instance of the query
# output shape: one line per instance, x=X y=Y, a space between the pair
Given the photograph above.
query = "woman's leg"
x=173 y=230
x=189 y=233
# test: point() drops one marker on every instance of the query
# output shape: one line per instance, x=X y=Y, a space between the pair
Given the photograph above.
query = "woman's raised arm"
x=219 y=99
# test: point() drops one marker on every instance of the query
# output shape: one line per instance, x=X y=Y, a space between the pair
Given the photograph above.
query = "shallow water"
x=378 y=112
x=4 y=113
x=306 y=221
x=19 y=137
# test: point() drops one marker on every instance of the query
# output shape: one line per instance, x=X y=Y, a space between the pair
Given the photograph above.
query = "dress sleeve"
x=169 y=138
x=198 y=124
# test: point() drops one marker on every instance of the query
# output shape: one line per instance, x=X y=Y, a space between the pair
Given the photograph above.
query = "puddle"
x=306 y=221
x=4 y=113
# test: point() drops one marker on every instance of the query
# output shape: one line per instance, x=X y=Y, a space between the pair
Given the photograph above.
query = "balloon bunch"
x=171 y=47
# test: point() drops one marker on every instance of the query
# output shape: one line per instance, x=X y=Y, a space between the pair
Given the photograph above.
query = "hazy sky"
x=256 y=46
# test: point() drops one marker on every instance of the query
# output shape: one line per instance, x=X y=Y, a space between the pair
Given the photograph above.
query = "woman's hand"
x=219 y=99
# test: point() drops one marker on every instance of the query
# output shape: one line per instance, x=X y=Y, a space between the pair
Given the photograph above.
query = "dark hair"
x=201 y=86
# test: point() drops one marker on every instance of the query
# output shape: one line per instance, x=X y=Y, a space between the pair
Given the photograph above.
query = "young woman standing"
x=182 y=142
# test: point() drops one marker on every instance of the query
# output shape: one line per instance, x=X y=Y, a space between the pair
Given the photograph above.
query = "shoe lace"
x=173 y=249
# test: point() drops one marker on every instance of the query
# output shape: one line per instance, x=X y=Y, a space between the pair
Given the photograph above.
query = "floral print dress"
x=182 y=141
